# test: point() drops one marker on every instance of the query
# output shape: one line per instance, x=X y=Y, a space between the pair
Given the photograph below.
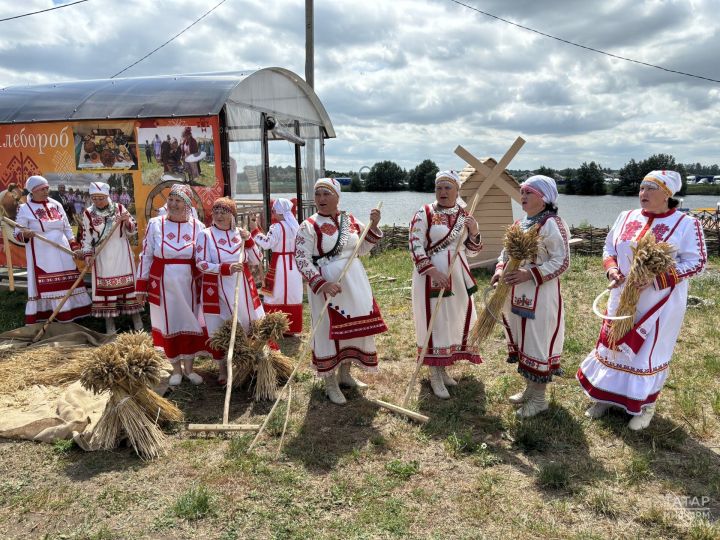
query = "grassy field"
x=474 y=471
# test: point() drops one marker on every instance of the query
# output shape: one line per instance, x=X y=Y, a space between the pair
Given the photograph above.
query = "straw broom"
x=650 y=259
x=520 y=246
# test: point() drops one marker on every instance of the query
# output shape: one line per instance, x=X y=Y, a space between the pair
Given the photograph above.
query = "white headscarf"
x=543 y=186
x=669 y=181
x=99 y=188
x=453 y=178
x=329 y=183
x=35 y=182
x=284 y=208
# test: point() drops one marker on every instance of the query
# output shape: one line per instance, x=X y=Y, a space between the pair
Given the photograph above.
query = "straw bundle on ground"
x=650 y=259
x=48 y=366
x=253 y=360
x=127 y=368
x=519 y=246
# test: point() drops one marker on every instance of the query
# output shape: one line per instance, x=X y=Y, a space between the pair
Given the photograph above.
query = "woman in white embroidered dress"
x=534 y=315
x=283 y=287
x=113 y=274
x=51 y=271
x=346 y=333
x=633 y=376
x=434 y=231
x=167 y=277
x=216 y=256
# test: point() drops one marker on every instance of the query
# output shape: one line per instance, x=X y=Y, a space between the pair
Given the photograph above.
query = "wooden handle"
x=233 y=334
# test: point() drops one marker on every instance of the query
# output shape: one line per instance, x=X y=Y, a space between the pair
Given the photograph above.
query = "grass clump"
x=194 y=504
x=603 y=504
x=402 y=469
x=553 y=476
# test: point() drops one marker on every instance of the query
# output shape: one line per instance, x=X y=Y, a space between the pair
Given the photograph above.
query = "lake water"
x=599 y=211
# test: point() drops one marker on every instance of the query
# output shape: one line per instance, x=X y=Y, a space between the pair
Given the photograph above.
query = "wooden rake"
x=226 y=426
x=307 y=344
x=40 y=236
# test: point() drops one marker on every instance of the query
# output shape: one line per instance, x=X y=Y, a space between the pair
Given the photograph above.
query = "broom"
x=520 y=246
x=650 y=259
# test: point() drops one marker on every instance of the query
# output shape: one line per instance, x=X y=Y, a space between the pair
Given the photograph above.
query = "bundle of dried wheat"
x=650 y=259
x=520 y=246
x=253 y=360
x=127 y=368
x=48 y=366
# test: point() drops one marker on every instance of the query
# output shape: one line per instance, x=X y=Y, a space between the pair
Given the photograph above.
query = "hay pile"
x=650 y=259
x=127 y=368
x=47 y=366
x=520 y=246
x=254 y=362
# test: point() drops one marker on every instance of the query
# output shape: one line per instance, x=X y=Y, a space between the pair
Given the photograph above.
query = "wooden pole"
x=225 y=426
x=8 y=260
x=40 y=237
x=496 y=172
x=305 y=346
x=79 y=279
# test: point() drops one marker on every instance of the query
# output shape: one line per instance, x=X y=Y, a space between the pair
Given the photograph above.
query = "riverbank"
x=357 y=471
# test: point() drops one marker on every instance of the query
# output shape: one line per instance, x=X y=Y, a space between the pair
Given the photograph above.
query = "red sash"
x=157 y=271
x=269 y=281
x=211 y=291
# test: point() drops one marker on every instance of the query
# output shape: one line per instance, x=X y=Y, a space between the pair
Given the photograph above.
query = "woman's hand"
x=79 y=254
x=244 y=234
x=496 y=278
x=439 y=279
x=236 y=267
x=125 y=217
x=330 y=289
x=27 y=234
x=517 y=276
x=471 y=225
x=374 y=218
x=615 y=277
x=141 y=297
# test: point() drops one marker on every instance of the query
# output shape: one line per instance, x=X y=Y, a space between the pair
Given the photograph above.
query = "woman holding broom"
x=346 y=333
x=533 y=315
x=168 y=279
x=113 y=274
x=51 y=271
x=628 y=369
x=283 y=288
x=217 y=257
x=433 y=236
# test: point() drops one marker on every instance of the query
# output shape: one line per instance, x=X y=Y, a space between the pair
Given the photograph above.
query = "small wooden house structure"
x=494 y=211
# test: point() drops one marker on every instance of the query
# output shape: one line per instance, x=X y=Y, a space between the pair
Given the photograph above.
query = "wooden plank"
x=223 y=427
x=512 y=191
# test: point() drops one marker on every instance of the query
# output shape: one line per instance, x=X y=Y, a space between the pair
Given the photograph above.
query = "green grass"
x=195 y=503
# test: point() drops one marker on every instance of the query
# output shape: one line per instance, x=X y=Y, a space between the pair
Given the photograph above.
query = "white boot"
x=437 y=384
x=521 y=397
x=597 y=410
x=137 y=322
x=642 y=420
x=447 y=379
x=110 y=325
x=333 y=390
x=346 y=379
x=536 y=402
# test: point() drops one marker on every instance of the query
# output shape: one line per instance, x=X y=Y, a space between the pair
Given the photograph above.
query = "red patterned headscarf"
x=183 y=191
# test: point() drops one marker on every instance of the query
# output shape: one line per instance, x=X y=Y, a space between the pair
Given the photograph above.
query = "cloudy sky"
x=407 y=80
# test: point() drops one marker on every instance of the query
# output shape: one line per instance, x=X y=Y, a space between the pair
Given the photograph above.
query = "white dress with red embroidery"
x=51 y=272
x=433 y=237
x=346 y=333
x=113 y=274
x=534 y=314
x=283 y=287
x=167 y=274
x=216 y=250
x=633 y=376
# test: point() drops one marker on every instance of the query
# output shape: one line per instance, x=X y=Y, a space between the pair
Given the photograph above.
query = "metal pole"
x=298 y=176
x=229 y=183
x=309 y=45
x=266 y=171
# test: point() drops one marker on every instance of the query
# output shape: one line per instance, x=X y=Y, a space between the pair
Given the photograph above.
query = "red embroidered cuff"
x=668 y=279
x=609 y=262
x=225 y=269
x=373 y=237
x=74 y=245
x=474 y=243
x=424 y=265
x=316 y=282
x=20 y=237
x=537 y=276
x=141 y=285
x=249 y=243
x=255 y=232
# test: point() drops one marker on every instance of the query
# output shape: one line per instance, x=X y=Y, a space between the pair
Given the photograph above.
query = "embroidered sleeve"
x=87 y=247
x=473 y=245
x=23 y=220
x=418 y=233
x=253 y=255
x=690 y=259
x=304 y=245
x=203 y=256
x=130 y=226
x=146 y=257
x=269 y=240
x=371 y=238
x=609 y=251
x=555 y=236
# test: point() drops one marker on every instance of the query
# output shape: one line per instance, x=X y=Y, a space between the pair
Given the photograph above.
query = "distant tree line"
x=588 y=179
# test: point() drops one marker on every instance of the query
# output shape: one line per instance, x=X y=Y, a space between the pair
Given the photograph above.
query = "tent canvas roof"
x=274 y=90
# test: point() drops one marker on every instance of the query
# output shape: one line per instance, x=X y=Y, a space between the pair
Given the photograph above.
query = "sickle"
x=486 y=292
x=597 y=311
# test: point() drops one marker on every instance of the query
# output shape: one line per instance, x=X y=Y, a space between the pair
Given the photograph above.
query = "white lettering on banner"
x=41 y=141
